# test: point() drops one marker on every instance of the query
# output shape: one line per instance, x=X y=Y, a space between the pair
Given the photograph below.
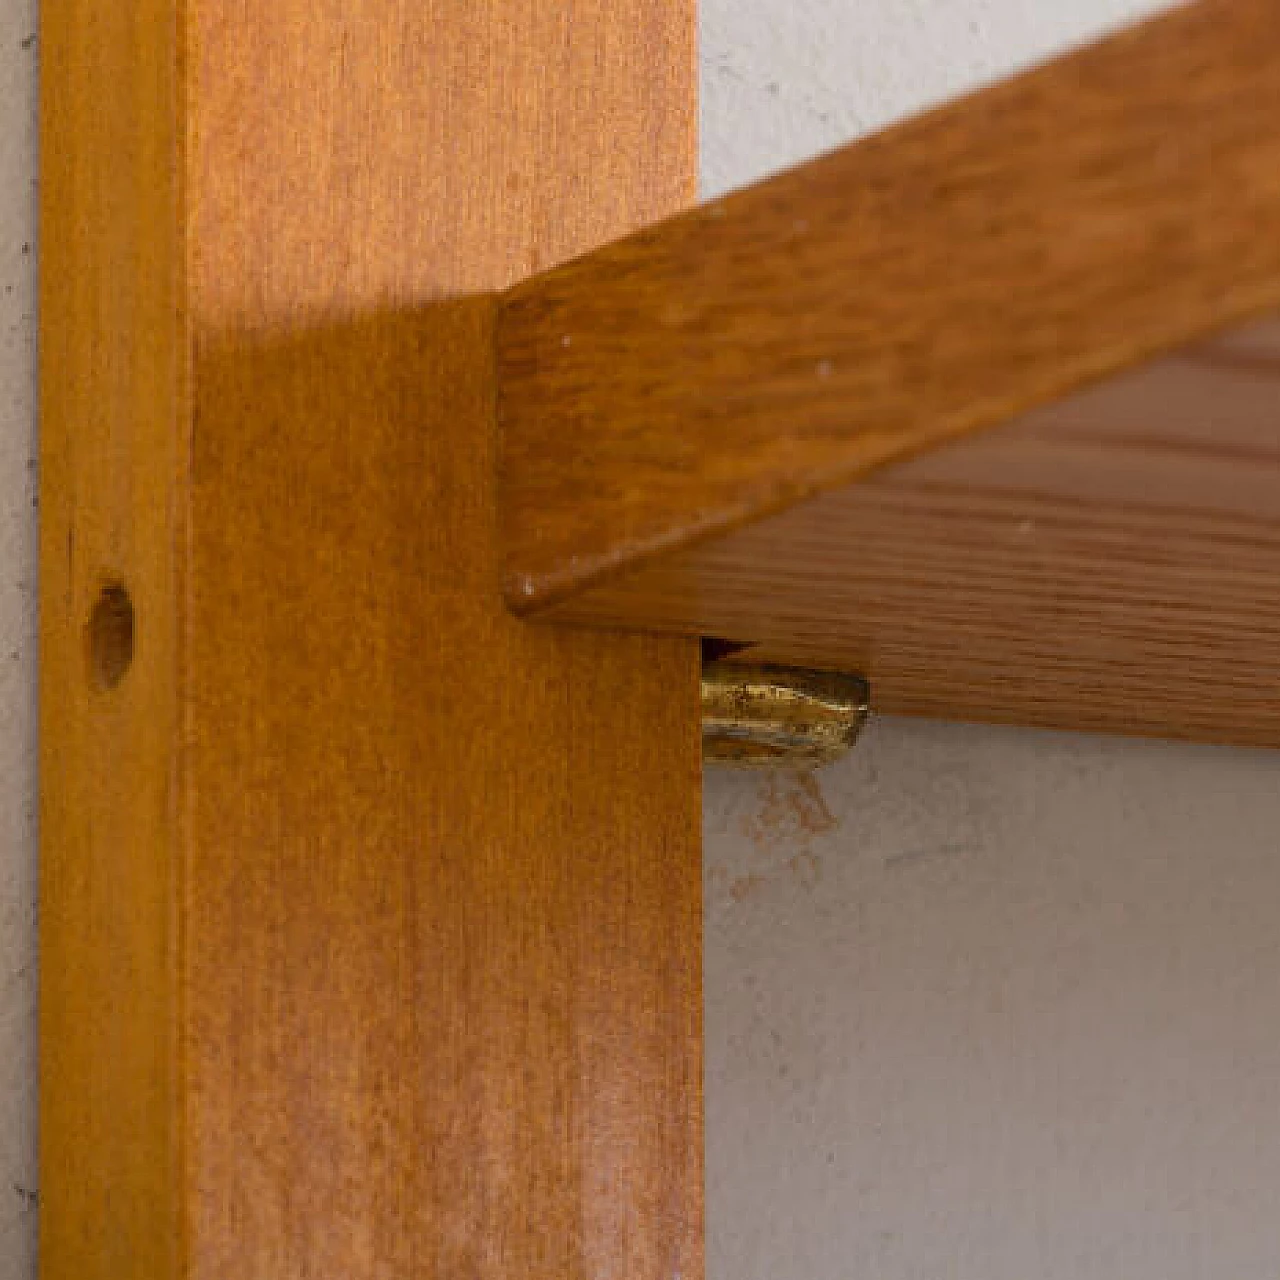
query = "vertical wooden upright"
x=370 y=916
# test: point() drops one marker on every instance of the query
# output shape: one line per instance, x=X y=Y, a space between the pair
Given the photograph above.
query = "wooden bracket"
x=983 y=408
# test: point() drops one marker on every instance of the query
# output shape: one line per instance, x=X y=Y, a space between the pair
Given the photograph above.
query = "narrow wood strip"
x=915 y=288
x=113 y=506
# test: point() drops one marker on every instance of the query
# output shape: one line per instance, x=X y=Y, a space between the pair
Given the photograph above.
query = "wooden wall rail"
x=896 y=411
x=369 y=917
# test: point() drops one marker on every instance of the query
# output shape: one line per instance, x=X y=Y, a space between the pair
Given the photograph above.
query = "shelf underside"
x=1111 y=562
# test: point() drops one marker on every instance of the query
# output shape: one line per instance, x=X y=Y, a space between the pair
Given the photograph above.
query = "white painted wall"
x=993 y=1005
x=784 y=80
x=981 y=1004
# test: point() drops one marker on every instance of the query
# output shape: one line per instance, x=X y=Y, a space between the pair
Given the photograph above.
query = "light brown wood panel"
x=113 y=388
x=370 y=917
x=920 y=408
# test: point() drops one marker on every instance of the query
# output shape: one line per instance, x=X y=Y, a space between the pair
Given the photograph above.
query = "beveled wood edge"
x=597 y=551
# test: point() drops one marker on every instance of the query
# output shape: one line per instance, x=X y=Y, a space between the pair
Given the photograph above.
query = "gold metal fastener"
x=756 y=717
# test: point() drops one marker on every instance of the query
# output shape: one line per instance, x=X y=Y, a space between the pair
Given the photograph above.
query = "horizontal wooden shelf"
x=986 y=408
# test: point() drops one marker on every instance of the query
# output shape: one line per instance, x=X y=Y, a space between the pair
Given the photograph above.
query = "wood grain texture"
x=686 y=413
x=1109 y=563
x=370 y=916
x=113 y=389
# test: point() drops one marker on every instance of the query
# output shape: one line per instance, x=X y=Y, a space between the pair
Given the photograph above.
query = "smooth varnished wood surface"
x=686 y=414
x=112 y=391
x=370 y=916
x=443 y=986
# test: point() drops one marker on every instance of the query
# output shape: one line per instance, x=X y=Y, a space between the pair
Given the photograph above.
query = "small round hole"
x=111 y=637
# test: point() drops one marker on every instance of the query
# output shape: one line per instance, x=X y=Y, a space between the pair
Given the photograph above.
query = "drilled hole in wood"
x=111 y=636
